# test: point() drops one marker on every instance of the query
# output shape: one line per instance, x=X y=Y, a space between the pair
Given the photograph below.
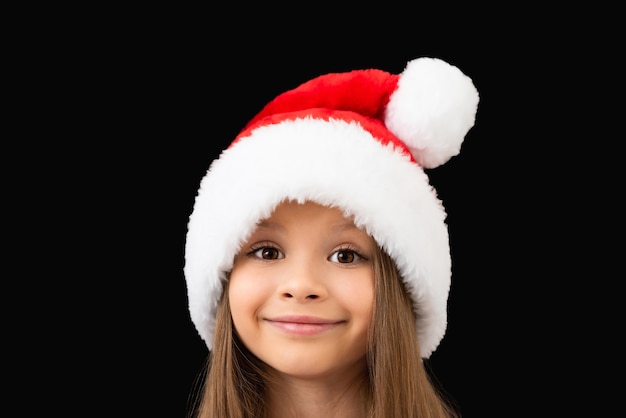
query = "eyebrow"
x=270 y=225
x=346 y=225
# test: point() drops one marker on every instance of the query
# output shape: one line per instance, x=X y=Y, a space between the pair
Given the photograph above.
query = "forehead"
x=291 y=211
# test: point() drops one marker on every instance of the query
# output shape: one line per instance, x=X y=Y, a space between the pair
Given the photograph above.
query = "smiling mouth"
x=303 y=325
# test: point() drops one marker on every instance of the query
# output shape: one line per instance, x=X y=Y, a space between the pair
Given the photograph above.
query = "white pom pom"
x=432 y=110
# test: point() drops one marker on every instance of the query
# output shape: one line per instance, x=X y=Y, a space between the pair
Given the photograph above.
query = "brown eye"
x=268 y=253
x=345 y=257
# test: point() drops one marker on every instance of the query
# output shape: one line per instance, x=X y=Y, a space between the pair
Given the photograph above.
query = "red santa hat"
x=358 y=141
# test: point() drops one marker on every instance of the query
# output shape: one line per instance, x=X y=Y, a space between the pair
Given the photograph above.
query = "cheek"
x=246 y=296
x=357 y=295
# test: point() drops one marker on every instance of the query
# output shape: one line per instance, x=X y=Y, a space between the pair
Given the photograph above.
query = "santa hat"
x=358 y=141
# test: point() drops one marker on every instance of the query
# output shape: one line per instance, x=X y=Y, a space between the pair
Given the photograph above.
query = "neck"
x=328 y=397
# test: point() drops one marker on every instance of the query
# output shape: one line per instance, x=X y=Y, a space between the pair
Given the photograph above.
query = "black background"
x=135 y=105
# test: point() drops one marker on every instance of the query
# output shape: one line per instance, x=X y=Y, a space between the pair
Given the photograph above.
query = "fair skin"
x=301 y=294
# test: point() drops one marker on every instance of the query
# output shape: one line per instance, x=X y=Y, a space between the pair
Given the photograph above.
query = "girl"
x=317 y=258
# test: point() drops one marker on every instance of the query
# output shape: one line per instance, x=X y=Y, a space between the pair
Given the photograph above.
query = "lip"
x=303 y=325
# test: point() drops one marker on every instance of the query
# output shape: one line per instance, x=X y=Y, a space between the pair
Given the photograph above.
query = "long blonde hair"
x=399 y=384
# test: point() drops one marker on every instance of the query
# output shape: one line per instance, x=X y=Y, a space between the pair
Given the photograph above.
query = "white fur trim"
x=332 y=163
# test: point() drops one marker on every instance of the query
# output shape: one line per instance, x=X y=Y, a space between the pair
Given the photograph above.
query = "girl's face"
x=302 y=291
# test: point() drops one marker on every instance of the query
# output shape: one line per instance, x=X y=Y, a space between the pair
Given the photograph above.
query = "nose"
x=303 y=282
